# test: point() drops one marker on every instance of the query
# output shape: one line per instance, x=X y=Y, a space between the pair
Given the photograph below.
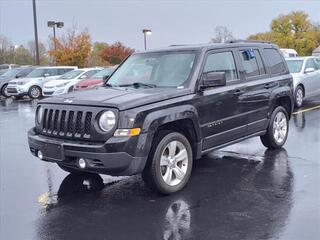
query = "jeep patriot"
x=162 y=109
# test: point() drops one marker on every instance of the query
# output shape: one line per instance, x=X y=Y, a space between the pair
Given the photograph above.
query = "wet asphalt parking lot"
x=241 y=192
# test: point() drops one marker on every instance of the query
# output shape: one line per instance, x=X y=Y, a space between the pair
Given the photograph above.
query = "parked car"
x=288 y=52
x=67 y=81
x=8 y=66
x=12 y=74
x=188 y=101
x=95 y=80
x=306 y=77
x=3 y=71
x=32 y=84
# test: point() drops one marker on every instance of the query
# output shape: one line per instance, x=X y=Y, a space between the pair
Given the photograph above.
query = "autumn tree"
x=294 y=30
x=95 y=58
x=72 y=48
x=222 y=35
x=116 y=53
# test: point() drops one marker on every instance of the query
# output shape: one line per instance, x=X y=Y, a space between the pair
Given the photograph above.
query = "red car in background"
x=95 y=80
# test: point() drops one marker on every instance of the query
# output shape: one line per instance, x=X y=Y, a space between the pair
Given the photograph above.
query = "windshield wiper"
x=139 y=84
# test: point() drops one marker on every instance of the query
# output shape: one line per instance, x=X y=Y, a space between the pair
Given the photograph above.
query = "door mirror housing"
x=46 y=75
x=213 y=79
x=83 y=77
x=309 y=70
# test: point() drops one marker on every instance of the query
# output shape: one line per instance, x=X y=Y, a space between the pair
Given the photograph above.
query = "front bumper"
x=53 y=91
x=17 y=90
x=99 y=156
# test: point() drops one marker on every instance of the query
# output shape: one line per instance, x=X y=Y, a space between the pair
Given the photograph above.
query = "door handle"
x=238 y=91
x=269 y=85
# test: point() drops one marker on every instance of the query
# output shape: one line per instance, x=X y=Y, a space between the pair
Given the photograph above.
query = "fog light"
x=82 y=163
x=39 y=154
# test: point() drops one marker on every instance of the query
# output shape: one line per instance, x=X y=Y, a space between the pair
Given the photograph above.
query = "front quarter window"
x=162 y=69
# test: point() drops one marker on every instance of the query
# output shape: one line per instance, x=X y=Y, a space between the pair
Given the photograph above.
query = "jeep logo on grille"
x=68 y=101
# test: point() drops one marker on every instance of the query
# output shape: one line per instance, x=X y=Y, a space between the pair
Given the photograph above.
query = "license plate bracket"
x=53 y=151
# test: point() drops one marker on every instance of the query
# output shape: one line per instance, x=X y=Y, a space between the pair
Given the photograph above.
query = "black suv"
x=162 y=109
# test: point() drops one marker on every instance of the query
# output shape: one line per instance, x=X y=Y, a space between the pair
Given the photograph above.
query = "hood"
x=54 y=83
x=88 y=82
x=121 y=98
x=22 y=80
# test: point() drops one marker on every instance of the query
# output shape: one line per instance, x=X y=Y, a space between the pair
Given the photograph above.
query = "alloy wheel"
x=280 y=127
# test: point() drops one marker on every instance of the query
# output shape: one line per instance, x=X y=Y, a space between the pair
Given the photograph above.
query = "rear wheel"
x=4 y=92
x=34 y=92
x=299 y=95
x=278 y=129
x=170 y=163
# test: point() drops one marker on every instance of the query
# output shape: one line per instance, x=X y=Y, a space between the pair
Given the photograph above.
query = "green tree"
x=22 y=56
x=95 y=55
x=43 y=56
x=293 y=30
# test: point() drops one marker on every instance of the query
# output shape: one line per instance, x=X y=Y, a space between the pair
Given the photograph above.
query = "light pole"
x=53 y=24
x=145 y=33
x=35 y=31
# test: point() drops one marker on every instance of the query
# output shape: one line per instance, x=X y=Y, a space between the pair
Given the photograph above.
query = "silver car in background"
x=306 y=77
x=33 y=83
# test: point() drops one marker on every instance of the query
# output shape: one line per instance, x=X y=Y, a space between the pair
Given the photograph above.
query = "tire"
x=278 y=128
x=35 y=92
x=298 y=97
x=167 y=146
x=70 y=169
x=3 y=91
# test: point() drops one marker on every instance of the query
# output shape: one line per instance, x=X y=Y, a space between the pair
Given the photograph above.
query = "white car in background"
x=289 y=52
x=32 y=84
x=66 y=82
x=306 y=77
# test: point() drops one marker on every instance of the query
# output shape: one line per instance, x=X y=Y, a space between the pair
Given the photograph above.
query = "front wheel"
x=278 y=129
x=299 y=97
x=35 y=92
x=3 y=91
x=170 y=163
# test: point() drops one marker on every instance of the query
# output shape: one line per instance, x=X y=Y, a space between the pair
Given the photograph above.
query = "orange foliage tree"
x=116 y=53
x=72 y=48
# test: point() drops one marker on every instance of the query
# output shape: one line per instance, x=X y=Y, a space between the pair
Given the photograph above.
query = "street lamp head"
x=59 y=24
x=147 y=31
x=51 y=23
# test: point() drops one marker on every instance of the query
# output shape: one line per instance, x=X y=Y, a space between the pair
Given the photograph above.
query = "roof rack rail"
x=178 y=45
x=248 y=41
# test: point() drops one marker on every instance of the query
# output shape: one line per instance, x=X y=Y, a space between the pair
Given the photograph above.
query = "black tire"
x=269 y=139
x=70 y=169
x=152 y=174
x=3 y=91
x=35 y=92
x=298 y=101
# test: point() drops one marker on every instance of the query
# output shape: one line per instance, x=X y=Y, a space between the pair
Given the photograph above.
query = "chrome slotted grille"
x=66 y=123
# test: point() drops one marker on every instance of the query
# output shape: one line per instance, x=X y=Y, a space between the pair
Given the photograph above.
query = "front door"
x=221 y=116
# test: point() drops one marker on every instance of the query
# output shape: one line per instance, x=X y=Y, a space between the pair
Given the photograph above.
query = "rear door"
x=255 y=101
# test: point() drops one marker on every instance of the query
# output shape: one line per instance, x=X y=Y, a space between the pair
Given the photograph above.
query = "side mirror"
x=83 y=77
x=18 y=76
x=105 y=78
x=213 y=79
x=309 y=70
x=46 y=75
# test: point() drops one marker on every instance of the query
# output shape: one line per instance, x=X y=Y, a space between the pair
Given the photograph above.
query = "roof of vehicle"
x=56 y=67
x=88 y=69
x=299 y=58
x=209 y=46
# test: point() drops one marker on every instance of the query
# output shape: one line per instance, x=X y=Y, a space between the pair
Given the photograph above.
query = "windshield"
x=154 y=69
x=295 y=65
x=11 y=73
x=71 y=75
x=102 y=73
x=37 y=73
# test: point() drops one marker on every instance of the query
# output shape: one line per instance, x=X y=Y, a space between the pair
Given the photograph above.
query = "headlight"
x=62 y=84
x=107 y=121
x=39 y=114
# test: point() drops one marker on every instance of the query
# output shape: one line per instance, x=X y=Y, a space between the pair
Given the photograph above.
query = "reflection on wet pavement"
x=240 y=192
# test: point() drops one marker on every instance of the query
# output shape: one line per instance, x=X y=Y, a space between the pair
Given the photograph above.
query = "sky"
x=171 y=22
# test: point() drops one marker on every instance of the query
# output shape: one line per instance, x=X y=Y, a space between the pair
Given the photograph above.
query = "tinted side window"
x=250 y=63
x=67 y=69
x=274 y=60
x=222 y=62
x=61 y=71
x=52 y=72
x=257 y=54
x=25 y=72
x=91 y=72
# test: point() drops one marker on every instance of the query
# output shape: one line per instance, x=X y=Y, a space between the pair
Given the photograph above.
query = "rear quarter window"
x=275 y=61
